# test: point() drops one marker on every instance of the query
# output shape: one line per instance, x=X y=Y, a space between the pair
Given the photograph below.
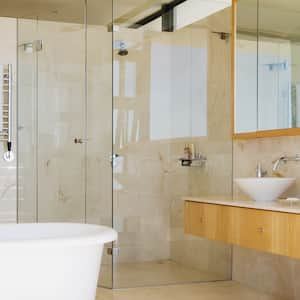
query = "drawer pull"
x=201 y=220
x=260 y=230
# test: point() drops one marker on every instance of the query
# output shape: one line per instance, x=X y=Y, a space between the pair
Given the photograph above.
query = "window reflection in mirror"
x=279 y=64
x=246 y=67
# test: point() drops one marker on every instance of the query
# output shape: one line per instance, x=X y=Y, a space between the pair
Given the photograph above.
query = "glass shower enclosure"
x=105 y=107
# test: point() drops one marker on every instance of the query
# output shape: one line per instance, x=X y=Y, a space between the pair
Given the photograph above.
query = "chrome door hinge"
x=113 y=251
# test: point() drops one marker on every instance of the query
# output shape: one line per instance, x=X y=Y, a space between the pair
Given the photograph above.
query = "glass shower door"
x=53 y=131
x=65 y=117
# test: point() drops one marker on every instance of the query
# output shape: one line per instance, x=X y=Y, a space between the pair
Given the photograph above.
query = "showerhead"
x=123 y=50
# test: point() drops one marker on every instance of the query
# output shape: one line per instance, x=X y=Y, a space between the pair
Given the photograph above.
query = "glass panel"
x=246 y=67
x=99 y=122
x=27 y=121
x=65 y=117
x=169 y=91
x=61 y=119
x=58 y=116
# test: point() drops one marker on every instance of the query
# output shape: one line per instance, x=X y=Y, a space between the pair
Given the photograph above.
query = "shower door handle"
x=80 y=141
x=114 y=159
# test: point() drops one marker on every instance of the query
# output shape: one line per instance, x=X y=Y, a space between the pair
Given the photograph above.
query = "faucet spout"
x=284 y=159
x=260 y=172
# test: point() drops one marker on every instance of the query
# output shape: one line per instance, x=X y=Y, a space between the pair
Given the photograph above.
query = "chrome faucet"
x=260 y=172
x=284 y=159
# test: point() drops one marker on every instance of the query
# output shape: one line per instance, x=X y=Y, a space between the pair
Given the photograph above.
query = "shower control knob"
x=9 y=156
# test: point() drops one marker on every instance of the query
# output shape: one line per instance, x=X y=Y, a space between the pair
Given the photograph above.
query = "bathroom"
x=146 y=116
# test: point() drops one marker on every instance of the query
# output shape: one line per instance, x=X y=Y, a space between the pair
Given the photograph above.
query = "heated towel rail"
x=6 y=108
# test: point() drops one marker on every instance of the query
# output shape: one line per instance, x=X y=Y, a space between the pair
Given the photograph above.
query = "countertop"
x=279 y=205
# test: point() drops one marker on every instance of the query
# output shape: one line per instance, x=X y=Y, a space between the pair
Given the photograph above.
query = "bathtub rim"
x=94 y=234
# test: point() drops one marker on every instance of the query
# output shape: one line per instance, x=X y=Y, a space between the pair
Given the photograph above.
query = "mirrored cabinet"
x=267 y=68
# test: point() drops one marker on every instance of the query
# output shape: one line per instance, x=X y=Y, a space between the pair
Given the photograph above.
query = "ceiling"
x=72 y=11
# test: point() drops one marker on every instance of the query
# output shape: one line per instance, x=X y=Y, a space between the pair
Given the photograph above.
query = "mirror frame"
x=257 y=133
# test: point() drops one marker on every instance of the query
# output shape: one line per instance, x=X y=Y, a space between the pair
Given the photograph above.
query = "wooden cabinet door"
x=193 y=218
x=208 y=221
x=294 y=236
x=282 y=233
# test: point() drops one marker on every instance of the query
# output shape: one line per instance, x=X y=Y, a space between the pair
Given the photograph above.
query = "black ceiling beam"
x=166 y=12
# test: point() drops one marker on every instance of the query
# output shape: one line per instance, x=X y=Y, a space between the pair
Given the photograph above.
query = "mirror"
x=267 y=67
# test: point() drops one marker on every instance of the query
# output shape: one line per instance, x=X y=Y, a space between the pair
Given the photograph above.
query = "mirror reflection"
x=267 y=65
x=246 y=67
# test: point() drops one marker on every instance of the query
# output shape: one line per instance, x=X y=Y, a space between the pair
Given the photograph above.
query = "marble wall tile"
x=276 y=275
x=269 y=273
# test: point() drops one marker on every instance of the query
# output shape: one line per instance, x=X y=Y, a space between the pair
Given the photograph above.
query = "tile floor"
x=227 y=290
x=155 y=274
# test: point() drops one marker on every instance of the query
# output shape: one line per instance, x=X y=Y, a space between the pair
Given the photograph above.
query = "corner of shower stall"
x=104 y=113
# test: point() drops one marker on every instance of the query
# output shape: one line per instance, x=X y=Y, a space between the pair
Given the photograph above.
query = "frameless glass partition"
x=169 y=91
x=65 y=116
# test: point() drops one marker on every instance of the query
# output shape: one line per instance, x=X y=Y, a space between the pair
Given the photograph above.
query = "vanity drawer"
x=208 y=221
x=263 y=230
x=253 y=229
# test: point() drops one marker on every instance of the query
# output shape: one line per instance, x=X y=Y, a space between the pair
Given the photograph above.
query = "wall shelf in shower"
x=194 y=162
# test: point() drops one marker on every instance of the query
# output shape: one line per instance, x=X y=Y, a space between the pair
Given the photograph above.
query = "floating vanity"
x=272 y=227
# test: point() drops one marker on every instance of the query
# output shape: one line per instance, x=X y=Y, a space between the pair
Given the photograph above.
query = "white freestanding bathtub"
x=51 y=261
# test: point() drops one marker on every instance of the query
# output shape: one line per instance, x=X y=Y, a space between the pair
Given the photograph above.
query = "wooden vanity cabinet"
x=274 y=232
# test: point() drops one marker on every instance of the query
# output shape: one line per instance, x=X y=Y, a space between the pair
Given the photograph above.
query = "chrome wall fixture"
x=34 y=46
x=6 y=118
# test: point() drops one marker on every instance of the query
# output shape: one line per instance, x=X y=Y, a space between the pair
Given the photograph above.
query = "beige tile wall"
x=266 y=272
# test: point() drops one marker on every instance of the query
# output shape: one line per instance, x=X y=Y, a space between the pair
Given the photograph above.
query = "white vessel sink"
x=266 y=188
